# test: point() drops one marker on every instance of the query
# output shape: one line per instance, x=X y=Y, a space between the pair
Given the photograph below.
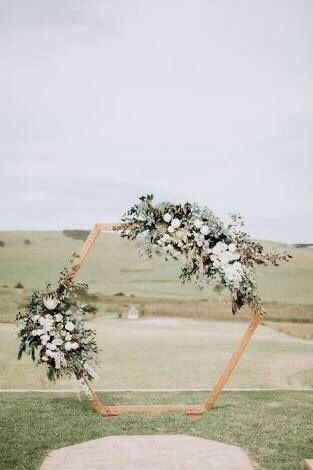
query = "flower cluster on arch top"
x=213 y=253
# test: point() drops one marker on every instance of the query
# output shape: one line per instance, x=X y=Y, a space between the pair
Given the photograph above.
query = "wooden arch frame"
x=188 y=409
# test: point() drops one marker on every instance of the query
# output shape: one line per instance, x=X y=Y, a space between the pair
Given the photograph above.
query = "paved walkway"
x=148 y=453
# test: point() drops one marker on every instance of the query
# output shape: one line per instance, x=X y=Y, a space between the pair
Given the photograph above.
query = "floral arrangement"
x=51 y=330
x=213 y=253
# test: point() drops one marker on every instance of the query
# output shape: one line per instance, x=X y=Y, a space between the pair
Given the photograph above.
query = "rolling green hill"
x=114 y=266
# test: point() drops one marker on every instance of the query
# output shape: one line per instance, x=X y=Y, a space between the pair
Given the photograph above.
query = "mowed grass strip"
x=173 y=353
x=275 y=428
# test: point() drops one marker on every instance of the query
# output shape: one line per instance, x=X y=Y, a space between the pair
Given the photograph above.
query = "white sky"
x=207 y=101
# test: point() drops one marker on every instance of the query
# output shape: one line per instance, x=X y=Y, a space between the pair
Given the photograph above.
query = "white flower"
x=205 y=230
x=198 y=223
x=51 y=346
x=35 y=317
x=44 y=339
x=75 y=345
x=57 y=364
x=199 y=239
x=35 y=333
x=58 y=317
x=219 y=248
x=69 y=326
x=44 y=358
x=175 y=223
x=171 y=229
x=57 y=341
x=166 y=237
x=50 y=301
x=68 y=346
x=232 y=247
x=167 y=217
x=68 y=337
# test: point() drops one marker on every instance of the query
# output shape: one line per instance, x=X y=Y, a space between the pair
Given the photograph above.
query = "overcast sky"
x=207 y=101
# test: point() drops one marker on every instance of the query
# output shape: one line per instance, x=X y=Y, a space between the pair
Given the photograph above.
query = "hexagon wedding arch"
x=51 y=328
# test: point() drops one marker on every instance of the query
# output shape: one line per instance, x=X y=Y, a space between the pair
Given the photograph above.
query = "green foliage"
x=76 y=234
x=213 y=253
x=51 y=330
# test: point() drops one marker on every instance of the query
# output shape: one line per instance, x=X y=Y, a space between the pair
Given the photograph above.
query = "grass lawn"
x=173 y=353
x=276 y=428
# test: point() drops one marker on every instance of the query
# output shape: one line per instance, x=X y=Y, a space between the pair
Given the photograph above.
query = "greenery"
x=275 y=428
x=214 y=253
x=76 y=234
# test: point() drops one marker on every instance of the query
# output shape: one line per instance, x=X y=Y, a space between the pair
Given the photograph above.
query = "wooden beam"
x=85 y=249
x=233 y=361
x=105 y=410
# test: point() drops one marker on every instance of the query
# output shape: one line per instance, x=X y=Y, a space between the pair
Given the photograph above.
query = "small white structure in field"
x=132 y=313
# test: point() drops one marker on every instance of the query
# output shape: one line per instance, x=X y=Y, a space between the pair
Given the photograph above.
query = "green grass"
x=186 y=354
x=274 y=428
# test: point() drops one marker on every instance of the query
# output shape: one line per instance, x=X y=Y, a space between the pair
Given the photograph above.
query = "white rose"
x=35 y=317
x=175 y=223
x=44 y=339
x=68 y=337
x=171 y=229
x=219 y=248
x=58 y=341
x=75 y=345
x=166 y=237
x=68 y=346
x=69 y=326
x=205 y=230
x=167 y=217
x=58 y=317
x=51 y=346
x=44 y=358
x=198 y=223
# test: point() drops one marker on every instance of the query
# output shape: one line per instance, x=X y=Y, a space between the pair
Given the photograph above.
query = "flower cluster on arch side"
x=51 y=330
x=214 y=253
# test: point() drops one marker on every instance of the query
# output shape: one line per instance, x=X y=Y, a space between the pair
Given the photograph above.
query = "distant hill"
x=303 y=245
x=76 y=234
